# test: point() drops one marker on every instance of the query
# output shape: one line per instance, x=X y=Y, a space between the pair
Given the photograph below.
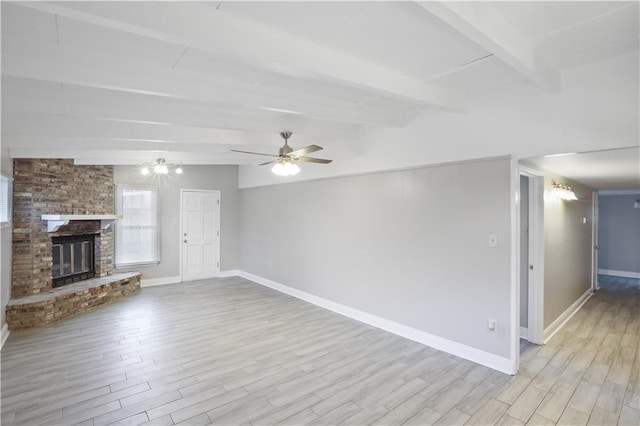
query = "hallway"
x=589 y=372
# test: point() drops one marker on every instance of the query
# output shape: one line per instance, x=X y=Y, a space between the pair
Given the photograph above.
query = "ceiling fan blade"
x=254 y=153
x=304 y=151
x=268 y=162
x=313 y=160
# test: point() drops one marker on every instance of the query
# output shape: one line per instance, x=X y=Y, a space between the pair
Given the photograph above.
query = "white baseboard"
x=614 y=273
x=159 y=281
x=4 y=334
x=487 y=359
x=229 y=273
x=566 y=316
x=524 y=333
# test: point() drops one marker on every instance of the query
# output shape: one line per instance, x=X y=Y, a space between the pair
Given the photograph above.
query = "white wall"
x=596 y=109
x=408 y=246
x=619 y=234
x=223 y=178
x=5 y=248
x=567 y=245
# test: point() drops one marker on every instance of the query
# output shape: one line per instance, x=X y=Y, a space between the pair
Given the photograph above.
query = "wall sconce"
x=562 y=191
x=160 y=167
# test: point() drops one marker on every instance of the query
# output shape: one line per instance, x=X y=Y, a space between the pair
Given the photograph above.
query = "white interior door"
x=200 y=234
x=524 y=257
x=534 y=275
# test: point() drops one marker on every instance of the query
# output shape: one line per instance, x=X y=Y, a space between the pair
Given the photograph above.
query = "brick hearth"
x=62 y=302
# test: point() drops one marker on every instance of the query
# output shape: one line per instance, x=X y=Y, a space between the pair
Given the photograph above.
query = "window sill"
x=132 y=265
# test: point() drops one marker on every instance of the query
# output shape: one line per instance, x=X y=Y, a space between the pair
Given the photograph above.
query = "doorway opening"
x=531 y=260
x=525 y=263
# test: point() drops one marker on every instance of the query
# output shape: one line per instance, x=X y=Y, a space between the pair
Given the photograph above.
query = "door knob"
x=531 y=267
x=597 y=247
x=185 y=241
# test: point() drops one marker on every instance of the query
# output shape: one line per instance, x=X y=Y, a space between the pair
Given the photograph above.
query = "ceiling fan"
x=285 y=161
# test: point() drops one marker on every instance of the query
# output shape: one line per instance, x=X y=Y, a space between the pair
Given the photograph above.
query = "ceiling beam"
x=59 y=125
x=205 y=28
x=27 y=96
x=111 y=157
x=483 y=25
x=97 y=143
x=80 y=68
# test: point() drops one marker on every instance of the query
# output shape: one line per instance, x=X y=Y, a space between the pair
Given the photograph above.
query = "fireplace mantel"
x=55 y=221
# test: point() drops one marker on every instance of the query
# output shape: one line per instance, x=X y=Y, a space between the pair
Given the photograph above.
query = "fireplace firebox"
x=73 y=259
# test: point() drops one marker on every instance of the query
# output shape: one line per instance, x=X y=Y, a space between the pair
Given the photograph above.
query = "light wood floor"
x=228 y=351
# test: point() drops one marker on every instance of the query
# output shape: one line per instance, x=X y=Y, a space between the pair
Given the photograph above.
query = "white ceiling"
x=127 y=82
x=603 y=170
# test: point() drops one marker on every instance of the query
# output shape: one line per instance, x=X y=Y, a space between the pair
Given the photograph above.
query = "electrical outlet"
x=270 y=265
x=492 y=325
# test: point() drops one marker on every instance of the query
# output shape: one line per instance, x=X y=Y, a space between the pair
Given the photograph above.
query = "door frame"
x=595 y=285
x=536 y=255
x=181 y=231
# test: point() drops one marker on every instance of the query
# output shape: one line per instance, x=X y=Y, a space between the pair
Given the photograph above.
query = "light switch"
x=493 y=240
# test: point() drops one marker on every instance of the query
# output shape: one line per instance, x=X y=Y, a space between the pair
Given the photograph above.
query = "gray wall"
x=5 y=247
x=619 y=233
x=524 y=251
x=410 y=246
x=567 y=245
x=223 y=178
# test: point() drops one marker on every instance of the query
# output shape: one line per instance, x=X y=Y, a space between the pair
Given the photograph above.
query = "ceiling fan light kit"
x=285 y=162
x=285 y=168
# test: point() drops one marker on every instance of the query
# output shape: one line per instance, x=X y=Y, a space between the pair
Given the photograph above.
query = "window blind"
x=5 y=200
x=136 y=239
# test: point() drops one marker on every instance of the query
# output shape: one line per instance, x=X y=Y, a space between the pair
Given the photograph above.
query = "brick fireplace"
x=58 y=187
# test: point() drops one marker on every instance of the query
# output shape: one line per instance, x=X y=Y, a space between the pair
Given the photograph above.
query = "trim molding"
x=619 y=192
x=150 y=282
x=615 y=273
x=566 y=315
x=4 y=334
x=514 y=260
x=229 y=273
x=524 y=333
x=487 y=359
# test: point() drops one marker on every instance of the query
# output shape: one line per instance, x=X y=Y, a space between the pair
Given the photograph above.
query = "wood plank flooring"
x=228 y=351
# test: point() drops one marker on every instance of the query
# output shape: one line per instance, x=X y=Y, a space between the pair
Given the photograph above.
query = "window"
x=137 y=231
x=5 y=200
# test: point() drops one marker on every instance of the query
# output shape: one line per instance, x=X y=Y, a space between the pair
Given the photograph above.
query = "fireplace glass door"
x=73 y=259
